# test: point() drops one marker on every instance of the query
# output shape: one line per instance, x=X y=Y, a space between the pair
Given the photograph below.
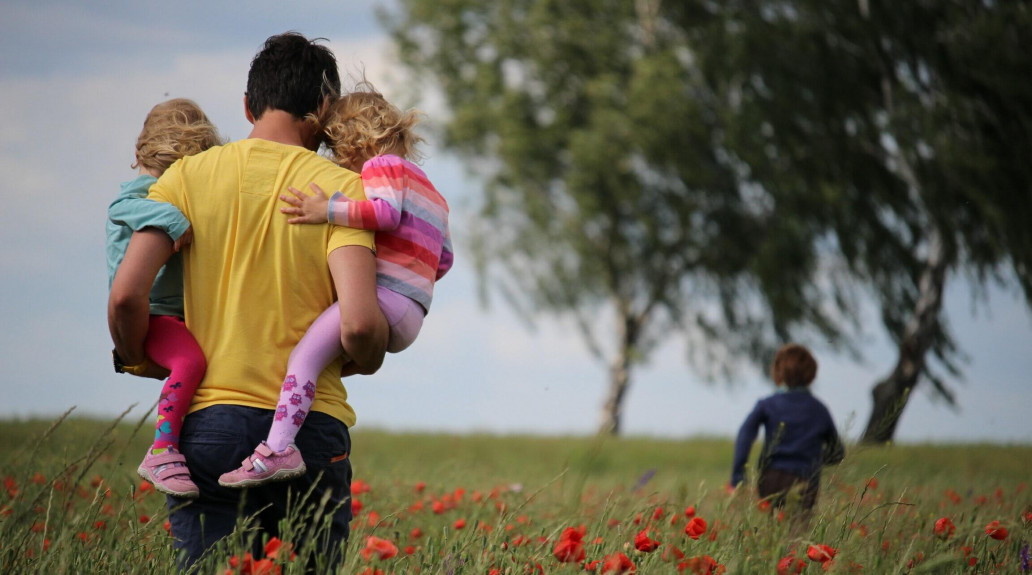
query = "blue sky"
x=76 y=81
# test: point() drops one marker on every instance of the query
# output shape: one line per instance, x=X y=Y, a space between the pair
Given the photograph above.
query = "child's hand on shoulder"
x=307 y=209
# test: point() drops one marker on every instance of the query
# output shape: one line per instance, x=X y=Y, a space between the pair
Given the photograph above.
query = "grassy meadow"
x=425 y=503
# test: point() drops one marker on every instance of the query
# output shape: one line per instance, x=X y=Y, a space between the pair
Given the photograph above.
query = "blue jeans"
x=217 y=438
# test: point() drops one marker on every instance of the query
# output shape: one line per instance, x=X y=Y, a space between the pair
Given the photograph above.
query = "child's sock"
x=171 y=410
x=319 y=346
x=294 y=404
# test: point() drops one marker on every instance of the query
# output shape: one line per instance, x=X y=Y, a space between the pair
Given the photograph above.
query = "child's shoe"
x=265 y=465
x=169 y=474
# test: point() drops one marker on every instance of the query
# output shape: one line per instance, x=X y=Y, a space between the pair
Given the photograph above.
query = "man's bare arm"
x=363 y=328
x=129 y=301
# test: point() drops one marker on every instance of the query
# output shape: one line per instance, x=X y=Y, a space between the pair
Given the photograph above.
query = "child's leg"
x=319 y=346
x=404 y=316
x=172 y=346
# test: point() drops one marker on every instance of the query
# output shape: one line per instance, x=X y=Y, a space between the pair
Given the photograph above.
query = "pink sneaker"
x=265 y=465
x=169 y=474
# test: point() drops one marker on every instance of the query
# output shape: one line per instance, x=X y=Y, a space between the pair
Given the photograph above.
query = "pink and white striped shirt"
x=410 y=217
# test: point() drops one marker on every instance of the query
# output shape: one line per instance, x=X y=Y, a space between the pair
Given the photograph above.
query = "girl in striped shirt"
x=366 y=134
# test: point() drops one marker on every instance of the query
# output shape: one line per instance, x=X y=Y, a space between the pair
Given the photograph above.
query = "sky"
x=77 y=79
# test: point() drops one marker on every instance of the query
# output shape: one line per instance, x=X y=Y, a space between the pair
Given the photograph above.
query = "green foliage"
x=485 y=502
x=609 y=186
x=740 y=172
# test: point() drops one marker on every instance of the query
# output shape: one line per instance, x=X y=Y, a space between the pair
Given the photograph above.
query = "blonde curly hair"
x=172 y=130
x=363 y=124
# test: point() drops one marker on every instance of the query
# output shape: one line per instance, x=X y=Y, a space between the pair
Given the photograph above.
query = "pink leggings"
x=321 y=345
x=172 y=346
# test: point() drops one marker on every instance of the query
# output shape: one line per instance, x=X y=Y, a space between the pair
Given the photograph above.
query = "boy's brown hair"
x=793 y=366
x=363 y=124
x=172 y=130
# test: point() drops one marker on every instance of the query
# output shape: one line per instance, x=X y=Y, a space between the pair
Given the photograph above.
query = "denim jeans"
x=216 y=439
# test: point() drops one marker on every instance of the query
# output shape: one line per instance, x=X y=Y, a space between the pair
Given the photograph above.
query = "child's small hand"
x=308 y=209
x=184 y=240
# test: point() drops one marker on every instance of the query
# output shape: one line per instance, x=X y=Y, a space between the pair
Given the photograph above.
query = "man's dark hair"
x=293 y=74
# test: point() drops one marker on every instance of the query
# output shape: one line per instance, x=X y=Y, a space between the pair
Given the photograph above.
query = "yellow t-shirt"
x=252 y=282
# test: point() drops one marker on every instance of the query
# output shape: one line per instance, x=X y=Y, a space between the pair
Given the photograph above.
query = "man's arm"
x=363 y=328
x=129 y=301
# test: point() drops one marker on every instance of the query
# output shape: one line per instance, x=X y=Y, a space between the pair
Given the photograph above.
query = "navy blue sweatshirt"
x=799 y=435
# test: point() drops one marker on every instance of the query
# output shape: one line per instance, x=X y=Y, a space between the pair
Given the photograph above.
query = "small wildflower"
x=821 y=553
x=944 y=528
x=996 y=531
x=695 y=527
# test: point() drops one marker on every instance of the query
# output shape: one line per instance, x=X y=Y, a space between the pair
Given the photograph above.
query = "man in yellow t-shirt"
x=252 y=285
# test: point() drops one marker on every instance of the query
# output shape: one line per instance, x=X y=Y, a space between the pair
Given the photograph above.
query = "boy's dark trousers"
x=775 y=485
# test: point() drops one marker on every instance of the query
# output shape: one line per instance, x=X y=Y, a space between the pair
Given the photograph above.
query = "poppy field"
x=429 y=503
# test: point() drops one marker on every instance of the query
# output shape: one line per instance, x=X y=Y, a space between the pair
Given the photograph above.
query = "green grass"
x=72 y=503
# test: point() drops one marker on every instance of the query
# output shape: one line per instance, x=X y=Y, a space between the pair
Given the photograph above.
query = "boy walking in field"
x=799 y=434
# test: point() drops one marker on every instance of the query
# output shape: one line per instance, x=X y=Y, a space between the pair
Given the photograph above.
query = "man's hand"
x=308 y=209
x=184 y=240
x=363 y=330
x=146 y=369
x=129 y=300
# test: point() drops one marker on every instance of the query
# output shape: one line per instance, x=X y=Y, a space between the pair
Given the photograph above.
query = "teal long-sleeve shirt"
x=132 y=211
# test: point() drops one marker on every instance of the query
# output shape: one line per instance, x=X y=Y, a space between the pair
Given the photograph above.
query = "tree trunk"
x=892 y=393
x=612 y=409
x=619 y=375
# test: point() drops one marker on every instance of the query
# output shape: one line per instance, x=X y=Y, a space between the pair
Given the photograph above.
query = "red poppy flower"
x=379 y=548
x=459 y=523
x=790 y=565
x=944 y=528
x=358 y=487
x=644 y=543
x=264 y=567
x=821 y=553
x=695 y=527
x=618 y=564
x=569 y=551
x=277 y=548
x=570 y=548
x=671 y=553
x=996 y=531
x=689 y=511
x=702 y=565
